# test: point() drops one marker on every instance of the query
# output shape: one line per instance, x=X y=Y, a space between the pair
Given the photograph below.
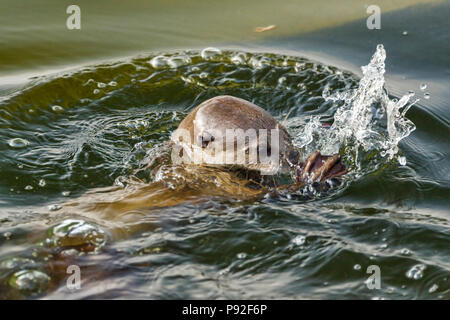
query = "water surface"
x=72 y=140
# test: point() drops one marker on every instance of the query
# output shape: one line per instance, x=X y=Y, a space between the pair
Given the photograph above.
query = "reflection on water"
x=78 y=187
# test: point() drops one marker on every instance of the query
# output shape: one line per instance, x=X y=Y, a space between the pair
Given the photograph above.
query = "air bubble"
x=357 y=267
x=42 y=183
x=158 y=62
x=426 y=95
x=433 y=288
x=54 y=207
x=423 y=86
x=241 y=255
x=29 y=187
x=57 y=109
x=18 y=143
x=178 y=61
x=210 y=52
x=416 y=272
x=405 y=252
x=29 y=280
x=299 y=240
x=77 y=234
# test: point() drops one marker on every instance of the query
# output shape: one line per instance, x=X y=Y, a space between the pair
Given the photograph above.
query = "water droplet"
x=54 y=207
x=433 y=288
x=7 y=235
x=29 y=280
x=96 y=91
x=357 y=267
x=426 y=95
x=210 y=52
x=112 y=84
x=158 y=62
x=42 y=183
x=28 y=187
x=101 y=85
x=405 y=33
x=239 y=58
x=65 y=193
x=57 y=109
x=416 y=272
x=405 y=252
x=423 y=86
x=18 y=143
x=402 y=160
x=241 y=255
x=299 y=240
x=203 y=75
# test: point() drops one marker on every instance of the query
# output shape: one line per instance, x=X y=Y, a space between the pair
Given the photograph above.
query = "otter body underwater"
x=193 y=168
x=237 y=136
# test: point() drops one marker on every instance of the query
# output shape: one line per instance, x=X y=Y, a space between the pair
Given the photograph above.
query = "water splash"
x=368 y=125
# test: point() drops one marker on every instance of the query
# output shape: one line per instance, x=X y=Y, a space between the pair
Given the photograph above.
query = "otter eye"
x=204 y=139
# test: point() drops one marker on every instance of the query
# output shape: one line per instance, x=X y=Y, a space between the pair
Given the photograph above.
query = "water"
x=75 y=189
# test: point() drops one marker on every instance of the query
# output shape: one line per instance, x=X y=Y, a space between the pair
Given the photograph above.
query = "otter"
x=195 y=166
x=207 y=137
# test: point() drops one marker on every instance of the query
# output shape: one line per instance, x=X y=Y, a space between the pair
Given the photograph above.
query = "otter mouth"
x=319 y=168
